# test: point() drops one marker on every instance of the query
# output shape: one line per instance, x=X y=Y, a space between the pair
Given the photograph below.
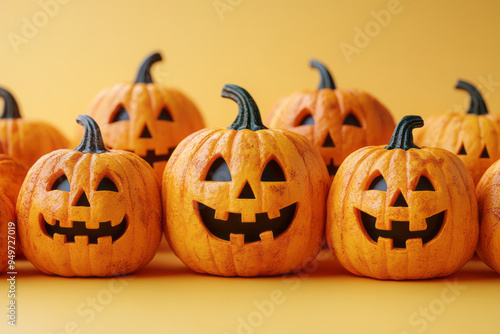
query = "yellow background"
x=411 y=64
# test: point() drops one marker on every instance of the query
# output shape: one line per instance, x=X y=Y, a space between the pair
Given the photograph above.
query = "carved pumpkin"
x=338 y=121
x=8 y=240
x=12 y=175
x=89 y=211
x=488 y=195
x=402 y=212
x=145 y=118
x=473 y=136
x=246 y=200
x=26 y=140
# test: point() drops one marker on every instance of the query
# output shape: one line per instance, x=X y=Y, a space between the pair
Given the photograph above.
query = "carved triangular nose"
x=328 y=141
x=400 y=201
x=145 y=133
x=247 y=192
x=83 y=200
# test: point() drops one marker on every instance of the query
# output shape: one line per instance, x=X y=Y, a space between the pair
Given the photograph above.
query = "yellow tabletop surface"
x=167 y=297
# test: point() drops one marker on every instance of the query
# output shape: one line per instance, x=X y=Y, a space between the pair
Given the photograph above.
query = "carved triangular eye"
x=484 y=154
x=61 y=183
x=219 y=171
x=165 y=115
x=273 y=172
x=424 y=184
x=107 y=185
x=352 y=120
x=378 y=183
x=307 y=120
x=462 y=150
x=121 y=114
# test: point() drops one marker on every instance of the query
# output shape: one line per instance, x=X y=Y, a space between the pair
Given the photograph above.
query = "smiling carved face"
x=402 y=213
x=248 y=203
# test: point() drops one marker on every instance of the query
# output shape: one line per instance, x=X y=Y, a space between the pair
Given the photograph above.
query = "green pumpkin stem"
x=92 y=139
x=248 y=113
x=10 y=109
x=144 y=73
x=402 y=136
x=477 y=105
x=326 y=78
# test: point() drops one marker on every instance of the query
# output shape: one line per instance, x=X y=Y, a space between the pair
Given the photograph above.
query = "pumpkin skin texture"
x=488 y=192
x=473 y=136
x=400 y=212
x=7 y=215
x=89 y=211
x=246 y=200
x=12 y=177
x=338 y=121
x=145 y=117
x=26 y=140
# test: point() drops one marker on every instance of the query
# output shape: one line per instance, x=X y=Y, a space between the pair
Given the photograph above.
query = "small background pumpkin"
x=26 y=140
x=246 y=200
x=338 y=121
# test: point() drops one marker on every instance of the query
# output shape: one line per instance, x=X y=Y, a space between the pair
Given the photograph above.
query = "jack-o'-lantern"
x=473 y=136
x=26 y=140
x=246 y=200
x=90 y=211
x=8 y=241
x=488 y=198
x=402 y=212
x=146 y=118
x=338 y=121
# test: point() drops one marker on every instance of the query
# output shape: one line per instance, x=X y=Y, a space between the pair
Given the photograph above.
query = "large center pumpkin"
x=247 y=200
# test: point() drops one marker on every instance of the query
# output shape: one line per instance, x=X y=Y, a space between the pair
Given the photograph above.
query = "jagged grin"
x=79 y=229
x=223 y=229
x=400 y=231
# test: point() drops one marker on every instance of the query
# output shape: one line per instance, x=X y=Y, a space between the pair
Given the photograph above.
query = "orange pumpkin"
x=488 y=195
x=246 y=200
x=402 y=212
x=146 y=118
x=473 y=136
x=26 y=140
x=8 y=241
x=338 y=121
x=89 y=211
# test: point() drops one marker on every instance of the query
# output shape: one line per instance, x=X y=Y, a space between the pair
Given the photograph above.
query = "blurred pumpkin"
x=26 y=140
x=338 y=121
x=90 y=211
x=246 y=200
x=146 y=118
x=473 y=136
x=402 y=212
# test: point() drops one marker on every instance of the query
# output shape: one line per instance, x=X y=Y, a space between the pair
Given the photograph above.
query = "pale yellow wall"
x=411 y=63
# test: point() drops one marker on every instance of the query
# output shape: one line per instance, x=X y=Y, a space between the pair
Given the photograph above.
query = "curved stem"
x=326 y=78
x=144 y=73
x=10 y=109
x=92 y=139
x=477 y=105
x=248 y=113
x=402 y=136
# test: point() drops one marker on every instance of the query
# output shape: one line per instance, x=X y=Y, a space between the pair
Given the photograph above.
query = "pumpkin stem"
x=144 y=73
x=403 y=133
x=248 y=114
x=477 y=105
x=326 y=78
x=10 y=109
x=92 y=139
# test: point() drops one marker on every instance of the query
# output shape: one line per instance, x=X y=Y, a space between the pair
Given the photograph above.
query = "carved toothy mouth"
x=223 y=229
x=79 y=229
x=400 y=231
